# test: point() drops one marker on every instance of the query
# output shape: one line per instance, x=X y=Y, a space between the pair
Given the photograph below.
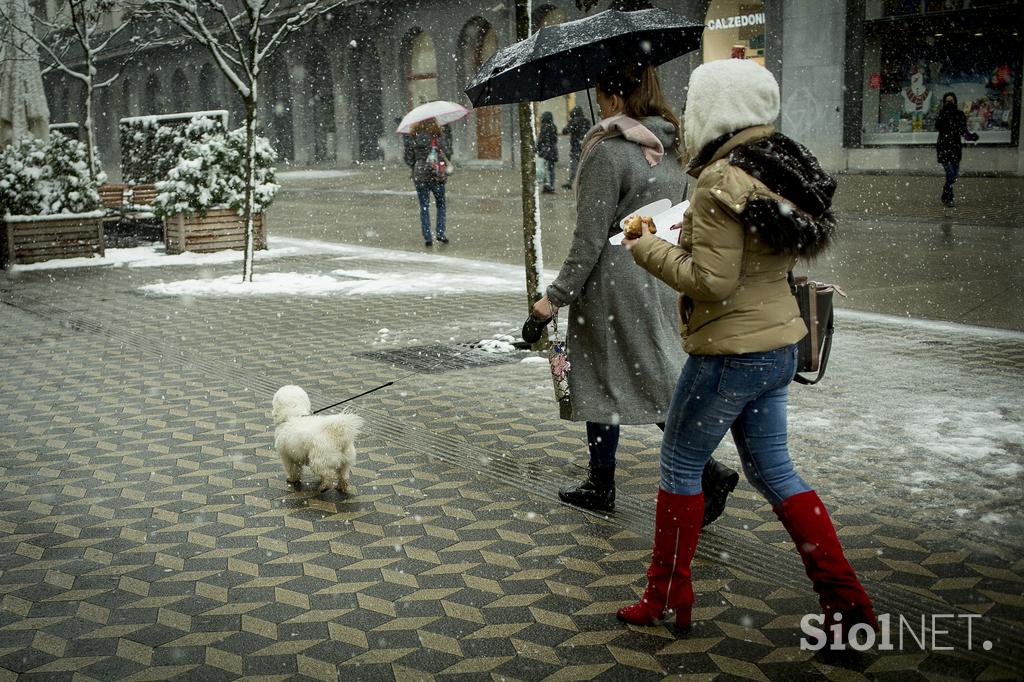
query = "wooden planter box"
x=121 y=197
x=112 y=195
x=31 y=239
x=219 y=229
x=139 y=197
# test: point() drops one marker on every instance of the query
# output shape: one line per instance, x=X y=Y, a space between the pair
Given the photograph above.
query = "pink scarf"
x=626 y=127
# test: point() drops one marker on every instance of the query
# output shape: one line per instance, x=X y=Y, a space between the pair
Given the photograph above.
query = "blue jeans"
x=423 y=192
x=952 y=169
x=742 y=393
x=549 y=174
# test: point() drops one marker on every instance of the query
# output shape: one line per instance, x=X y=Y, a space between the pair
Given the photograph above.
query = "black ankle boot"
x=718 y=481
x=596 y=493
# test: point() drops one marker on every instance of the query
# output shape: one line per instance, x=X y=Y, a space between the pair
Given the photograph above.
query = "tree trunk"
x=250 y=180
x=531 y=197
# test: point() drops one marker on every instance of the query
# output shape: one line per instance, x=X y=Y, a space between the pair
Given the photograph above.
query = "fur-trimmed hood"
x=803 y=222
x=727 y=95
x=790 y=204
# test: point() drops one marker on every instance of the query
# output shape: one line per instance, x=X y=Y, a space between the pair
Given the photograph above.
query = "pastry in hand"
x=635 y=226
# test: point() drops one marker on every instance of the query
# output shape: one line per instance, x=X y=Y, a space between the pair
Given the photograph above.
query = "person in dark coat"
x=428 y=154
x=576 y=129
x=951 y=126
x=547 y=149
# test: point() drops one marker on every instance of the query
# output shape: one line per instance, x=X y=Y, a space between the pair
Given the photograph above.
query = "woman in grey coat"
x=623 y=329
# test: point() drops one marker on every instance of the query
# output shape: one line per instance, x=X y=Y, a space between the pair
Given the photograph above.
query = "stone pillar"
x=302 y=126
x=1020 y=132
x=812 y=77
x=344 y=140
x=393 y=98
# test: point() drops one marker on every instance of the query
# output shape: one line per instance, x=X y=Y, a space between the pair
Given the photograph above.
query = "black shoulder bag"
x=815 y=302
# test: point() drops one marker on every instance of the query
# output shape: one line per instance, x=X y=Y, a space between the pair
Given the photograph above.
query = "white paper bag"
x=665 y=216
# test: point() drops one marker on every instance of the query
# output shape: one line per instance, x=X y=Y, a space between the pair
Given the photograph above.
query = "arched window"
x=125 y=107
x=206 y=87
x=153 y=96
x=62 y=105
x=421 y=78
x=478 y=42
x=180 y=91
x=276 y=114
x=320 y=88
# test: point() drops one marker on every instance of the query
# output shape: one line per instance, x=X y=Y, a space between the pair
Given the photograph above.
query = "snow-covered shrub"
x=210 y=173
x=150 y=146
x=42 y=177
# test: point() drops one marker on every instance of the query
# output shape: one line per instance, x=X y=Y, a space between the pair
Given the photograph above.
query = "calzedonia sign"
x=739 y=21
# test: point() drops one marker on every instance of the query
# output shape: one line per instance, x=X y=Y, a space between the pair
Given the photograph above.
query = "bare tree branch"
x=185 y=15
x=230 y=22
x=297 y=20
x=56 y=60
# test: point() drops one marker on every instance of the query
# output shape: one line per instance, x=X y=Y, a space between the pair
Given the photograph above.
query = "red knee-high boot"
x=839 y=592
x=677 y=522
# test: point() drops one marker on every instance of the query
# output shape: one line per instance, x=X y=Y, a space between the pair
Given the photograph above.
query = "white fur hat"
x=727 y=95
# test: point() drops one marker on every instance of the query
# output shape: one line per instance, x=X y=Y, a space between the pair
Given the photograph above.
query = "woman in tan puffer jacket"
x=761 y=202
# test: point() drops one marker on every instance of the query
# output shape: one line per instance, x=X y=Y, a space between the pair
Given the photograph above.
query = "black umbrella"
x=569 y=57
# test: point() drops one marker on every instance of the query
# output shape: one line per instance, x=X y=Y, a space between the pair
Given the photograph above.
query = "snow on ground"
x=915 y=433
x=398 y=272
x=152 y=256
x=394 y=272
x=349 y=282
x=499 y=343
x=387 y=192
x=313 y=174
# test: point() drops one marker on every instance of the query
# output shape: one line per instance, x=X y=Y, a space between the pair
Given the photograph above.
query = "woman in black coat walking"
x=547 y=149
x=951 y=126
x=576 y=129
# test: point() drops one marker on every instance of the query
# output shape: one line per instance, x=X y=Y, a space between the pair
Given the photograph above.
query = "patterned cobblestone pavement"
x=146 y=530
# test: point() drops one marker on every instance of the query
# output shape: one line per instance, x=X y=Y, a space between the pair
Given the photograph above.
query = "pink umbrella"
x=444 y=112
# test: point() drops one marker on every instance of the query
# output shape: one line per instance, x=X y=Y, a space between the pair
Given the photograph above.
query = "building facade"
x=861 y=79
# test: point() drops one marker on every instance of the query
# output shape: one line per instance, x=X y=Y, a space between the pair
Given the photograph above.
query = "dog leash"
x=390 y=383
x=342 y=402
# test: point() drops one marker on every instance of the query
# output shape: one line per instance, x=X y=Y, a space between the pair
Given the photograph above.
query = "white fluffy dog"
x=326 y=444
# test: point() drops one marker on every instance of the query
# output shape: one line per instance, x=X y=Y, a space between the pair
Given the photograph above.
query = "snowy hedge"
x=151 y=145
x=210 y=173
x=44 y=177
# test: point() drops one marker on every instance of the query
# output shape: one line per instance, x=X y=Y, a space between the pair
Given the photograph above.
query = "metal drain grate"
x=441 y=358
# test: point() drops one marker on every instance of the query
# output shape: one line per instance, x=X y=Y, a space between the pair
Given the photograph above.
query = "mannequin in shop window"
x=917 y=97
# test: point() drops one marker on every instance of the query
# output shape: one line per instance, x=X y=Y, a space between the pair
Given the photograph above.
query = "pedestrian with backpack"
x=428 y=156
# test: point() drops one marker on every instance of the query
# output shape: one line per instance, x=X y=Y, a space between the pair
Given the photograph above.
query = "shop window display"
x=907 y=73
x=734 y=28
